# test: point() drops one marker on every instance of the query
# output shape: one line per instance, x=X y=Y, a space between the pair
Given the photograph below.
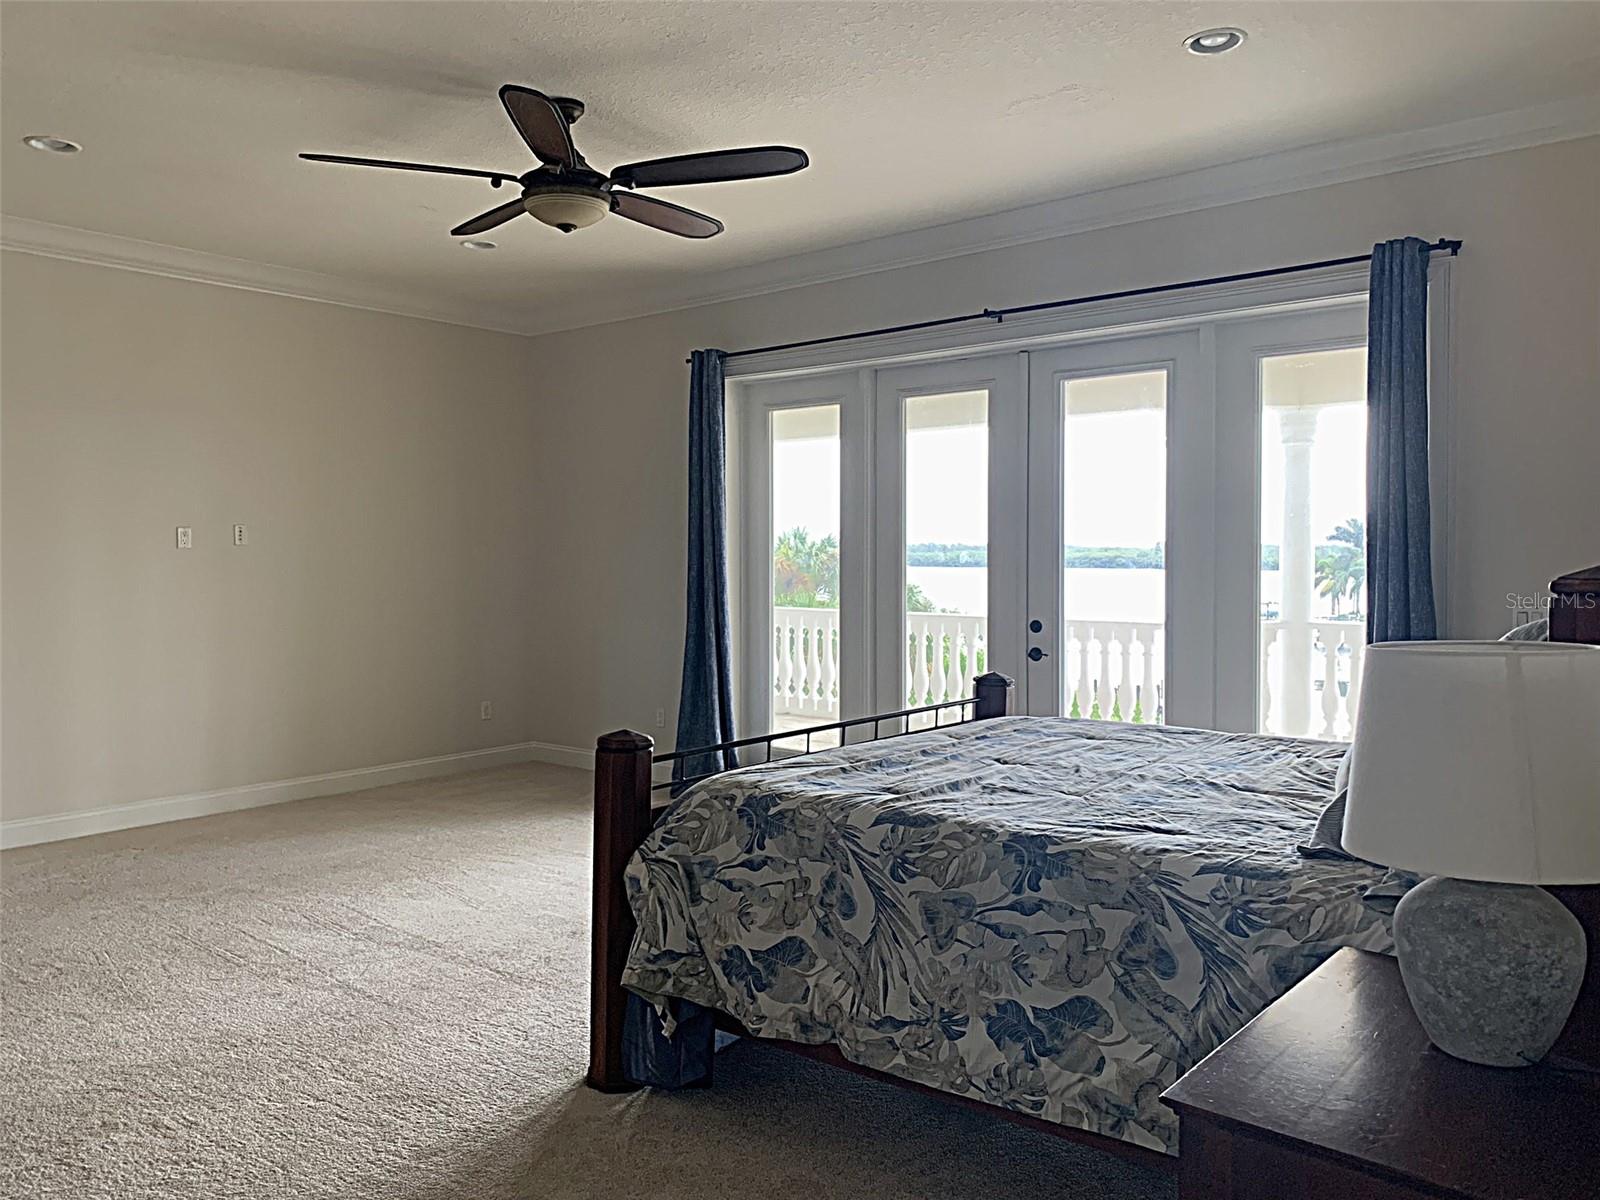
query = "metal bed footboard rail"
x=985 y=698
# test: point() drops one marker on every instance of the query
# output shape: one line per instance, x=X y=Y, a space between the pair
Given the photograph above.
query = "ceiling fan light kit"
x=566 y=193
x=566 y=208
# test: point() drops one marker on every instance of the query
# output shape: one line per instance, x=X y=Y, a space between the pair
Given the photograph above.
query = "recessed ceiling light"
x=39 y=141
x=1214 y=41
x=477 y=245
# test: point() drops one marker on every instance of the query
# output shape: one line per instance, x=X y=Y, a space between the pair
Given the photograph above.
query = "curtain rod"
x=1452 y=245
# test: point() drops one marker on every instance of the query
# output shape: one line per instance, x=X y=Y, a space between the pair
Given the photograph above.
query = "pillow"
x=1533 y=631
x=1327 y=839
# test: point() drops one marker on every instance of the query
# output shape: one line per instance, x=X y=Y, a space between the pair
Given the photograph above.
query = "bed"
x=1049 y=918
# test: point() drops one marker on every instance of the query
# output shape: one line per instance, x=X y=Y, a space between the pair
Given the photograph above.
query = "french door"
x=1121 y=441
x=1153 y=528
x=950 y=524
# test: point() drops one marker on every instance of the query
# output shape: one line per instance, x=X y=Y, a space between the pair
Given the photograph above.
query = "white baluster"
x=1147 y=686
x=1269 y=634
x=809 y=665
x=790 y=637
x=819 y=693
x=952 y=670
x=1125 y=678
x=830 y=665
x=1330 y=681
x=1085 y=701
x=924 y=663
x=777 y=662
x=1103 y=684
x=1358 y=654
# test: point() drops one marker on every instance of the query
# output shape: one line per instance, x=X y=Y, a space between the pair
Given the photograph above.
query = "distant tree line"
x=805 y=570
x=955 y=554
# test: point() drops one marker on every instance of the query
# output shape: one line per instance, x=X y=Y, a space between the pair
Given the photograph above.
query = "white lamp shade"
x=1479 y=760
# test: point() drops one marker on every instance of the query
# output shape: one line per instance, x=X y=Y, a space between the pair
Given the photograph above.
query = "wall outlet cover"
x=486 y=710
x=241 y=535
x=185 y=537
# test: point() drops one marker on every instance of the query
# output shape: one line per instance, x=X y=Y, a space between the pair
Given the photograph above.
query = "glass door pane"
x=1113 y=553
x=1291 y=502
x=804 y=539
x=950 y=533
x=1313 y=505
x=946 y=545
x=1116 y=527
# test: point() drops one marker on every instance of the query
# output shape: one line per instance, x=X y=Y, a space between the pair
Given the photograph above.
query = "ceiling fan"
x=566 y=193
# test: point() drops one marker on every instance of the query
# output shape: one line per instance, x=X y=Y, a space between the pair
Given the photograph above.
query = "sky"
x=1115 y=486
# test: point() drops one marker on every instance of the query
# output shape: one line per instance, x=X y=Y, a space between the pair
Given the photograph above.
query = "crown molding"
x=26 y=236
x=1209 y=187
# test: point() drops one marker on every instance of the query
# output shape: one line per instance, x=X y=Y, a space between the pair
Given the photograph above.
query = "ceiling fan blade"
x=714 y=166
x=498 y=215
x=647 y=210
x=541 y=125
x=500 y=176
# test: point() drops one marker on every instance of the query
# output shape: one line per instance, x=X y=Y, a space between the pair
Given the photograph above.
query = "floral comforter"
x=1055 y=916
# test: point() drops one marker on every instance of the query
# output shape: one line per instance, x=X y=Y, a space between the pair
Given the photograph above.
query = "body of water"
x=1092 y=593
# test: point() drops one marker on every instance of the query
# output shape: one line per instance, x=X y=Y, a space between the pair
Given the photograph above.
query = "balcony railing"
x=1310 y=677
x=1112 y=670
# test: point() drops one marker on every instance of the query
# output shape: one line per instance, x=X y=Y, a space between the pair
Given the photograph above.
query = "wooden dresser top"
x=1340 y=1065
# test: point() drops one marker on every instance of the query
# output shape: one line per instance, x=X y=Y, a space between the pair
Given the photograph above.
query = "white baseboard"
x=30 y=831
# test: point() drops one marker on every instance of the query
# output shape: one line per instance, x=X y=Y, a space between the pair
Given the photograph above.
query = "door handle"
x=1035 y=654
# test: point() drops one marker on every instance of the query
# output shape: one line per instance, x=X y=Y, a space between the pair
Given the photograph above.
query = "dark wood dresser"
x=1575 y=617
x=1335 y=1092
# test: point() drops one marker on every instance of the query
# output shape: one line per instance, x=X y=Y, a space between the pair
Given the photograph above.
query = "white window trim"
x=861 y=358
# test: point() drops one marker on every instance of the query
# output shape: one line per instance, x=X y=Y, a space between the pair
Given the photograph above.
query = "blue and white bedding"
x=1056 y=916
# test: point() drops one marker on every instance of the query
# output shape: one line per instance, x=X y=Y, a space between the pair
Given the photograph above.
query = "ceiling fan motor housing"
x=565 y=206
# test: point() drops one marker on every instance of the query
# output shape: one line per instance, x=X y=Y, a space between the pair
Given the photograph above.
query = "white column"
x=1296 y=568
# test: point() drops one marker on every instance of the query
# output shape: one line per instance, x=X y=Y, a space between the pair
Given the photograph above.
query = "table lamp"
x=1478 y=764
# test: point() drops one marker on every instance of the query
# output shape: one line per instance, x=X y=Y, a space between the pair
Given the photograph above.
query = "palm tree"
x=805 y=572
x=1342 y=564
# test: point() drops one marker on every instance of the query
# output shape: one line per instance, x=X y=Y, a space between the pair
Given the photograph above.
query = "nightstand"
x=1335 y=1092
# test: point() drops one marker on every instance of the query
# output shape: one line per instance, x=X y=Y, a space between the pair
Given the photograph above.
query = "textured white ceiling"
x=915 y=114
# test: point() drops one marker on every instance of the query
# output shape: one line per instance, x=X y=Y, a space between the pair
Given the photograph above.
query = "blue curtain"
x=705 y=704
x=1399 y=523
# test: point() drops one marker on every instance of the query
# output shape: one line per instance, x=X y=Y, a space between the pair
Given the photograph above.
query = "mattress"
x=1055 y=916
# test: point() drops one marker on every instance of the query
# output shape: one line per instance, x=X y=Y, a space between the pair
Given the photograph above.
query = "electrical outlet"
x=185 y=537
x=241 y=536
x=661 y=718
x=486 y=710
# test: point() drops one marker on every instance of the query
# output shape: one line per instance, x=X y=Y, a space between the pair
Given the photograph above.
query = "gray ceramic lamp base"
x=1492 y=969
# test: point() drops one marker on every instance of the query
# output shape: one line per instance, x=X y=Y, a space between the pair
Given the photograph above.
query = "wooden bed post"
x=621 y=822
x=993 y=691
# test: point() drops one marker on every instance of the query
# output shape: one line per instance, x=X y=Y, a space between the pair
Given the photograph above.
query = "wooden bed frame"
x=627 y=798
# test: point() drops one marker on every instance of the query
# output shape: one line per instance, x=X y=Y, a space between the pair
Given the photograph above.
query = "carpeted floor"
x=382 y=996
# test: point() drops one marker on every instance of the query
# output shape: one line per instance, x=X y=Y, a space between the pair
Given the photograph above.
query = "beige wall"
x=1526 y=403
x=384 y=469
x=439 y=516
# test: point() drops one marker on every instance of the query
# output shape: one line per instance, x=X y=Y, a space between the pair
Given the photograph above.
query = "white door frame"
x=1003 y=377
x=751 y=405
x=1241 y=345
x=1189 y=505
